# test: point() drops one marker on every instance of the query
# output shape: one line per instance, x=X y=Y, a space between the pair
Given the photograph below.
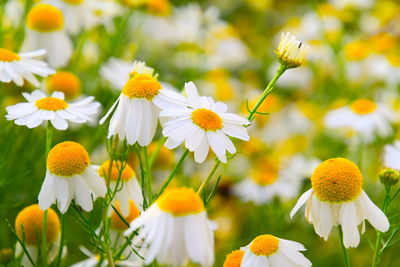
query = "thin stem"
x=346 y=257
x=377 y=251
x=173 y=172
x=110 y=257
x=60 y=249
x=148 y=176
x=282 y=68
x=155 y=153
x=49 y=135
x=209 y=177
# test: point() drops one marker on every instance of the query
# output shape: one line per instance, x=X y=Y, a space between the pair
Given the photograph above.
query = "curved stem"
x=148 y=175
x=346 y=257
x=209 y=177
x=377 y=251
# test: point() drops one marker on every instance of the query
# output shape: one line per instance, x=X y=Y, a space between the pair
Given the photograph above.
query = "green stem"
x=49 y=135
x=377 y=251
x=60 y=249
x=148 y=176
x=173 y=172
x=282 y=68
x=346 y=257
x=209 y=177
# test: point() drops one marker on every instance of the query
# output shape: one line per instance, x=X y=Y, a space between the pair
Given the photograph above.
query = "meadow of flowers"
x=251 y=133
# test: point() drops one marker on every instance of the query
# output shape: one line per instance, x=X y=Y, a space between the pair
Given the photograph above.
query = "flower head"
x=18 y=67
x=45 y=18
x=69 y=176
x=203 y=123
x=52 y=108
x=175 y=229
x=337 y=198
x=268 y=250
x=66 y=82
x=234 y=259
x=290 y=51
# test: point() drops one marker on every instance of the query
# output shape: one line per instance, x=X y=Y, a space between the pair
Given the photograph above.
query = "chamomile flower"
x=137 y=109
x=367 y=118
x=290 y=51
x=45 y=29
x=175 y=229
x=391 y=156
x=93 y=260
x=52 y=108
x=127 y=187
x=234 y=259
x=337 y=198
x=202 y=124
x=69 y=177
x=17 y=67
x=268 y=250
x=85 y=14
x=29 y=227
x=66 y=82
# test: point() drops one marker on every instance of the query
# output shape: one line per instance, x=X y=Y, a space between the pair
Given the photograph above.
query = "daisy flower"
x=22 y=66
x=52 y=108
x=201 y=124
x=94 y=261
x=137 y=109
x=290 y=51
x=367 y=118
x=175 y=229
x=268 y=250
x=128 y=186
x=85 y=14
x=68 y=177
x=66 y=82
x=337 y=198
x=234 y=259
x=45 y=30
x=29 y=226
x=391 y=156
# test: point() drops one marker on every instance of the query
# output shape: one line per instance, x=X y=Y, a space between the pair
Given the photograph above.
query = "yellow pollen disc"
x=67 y=159
x=7 y=55
x=264 y=177
x=51 y=103
x=337 y=180
x=363 y=106
x=180 y=202
x=142 y=86
x=207 y=119
x=28 y=225
x=74 y=2
x=45 y=18
x=264 y=245
x=126 y=174
x=65 y=82
x=120 y=225
x=234 y=259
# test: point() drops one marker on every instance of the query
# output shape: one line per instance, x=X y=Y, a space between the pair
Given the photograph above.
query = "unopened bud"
x=389 y=176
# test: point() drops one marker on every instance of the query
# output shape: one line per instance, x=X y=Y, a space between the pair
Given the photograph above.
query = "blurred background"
x=227 y=49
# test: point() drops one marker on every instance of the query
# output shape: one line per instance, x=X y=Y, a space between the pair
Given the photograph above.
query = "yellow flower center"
x=363 y=106
x=65 y=82
x=117 y=223
x=337 y=180
x=142 y=86
x=51 y=103
x=45 y=18
x=67 y=159
x=28 y=225
x=7 y=55
x=159 y=7
x=74 y=2
x=234 y=259
x=207 y=119
x=356 y=50
x=264 y=177
x=264 y=245
x=180 y=202
x=127 y=172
